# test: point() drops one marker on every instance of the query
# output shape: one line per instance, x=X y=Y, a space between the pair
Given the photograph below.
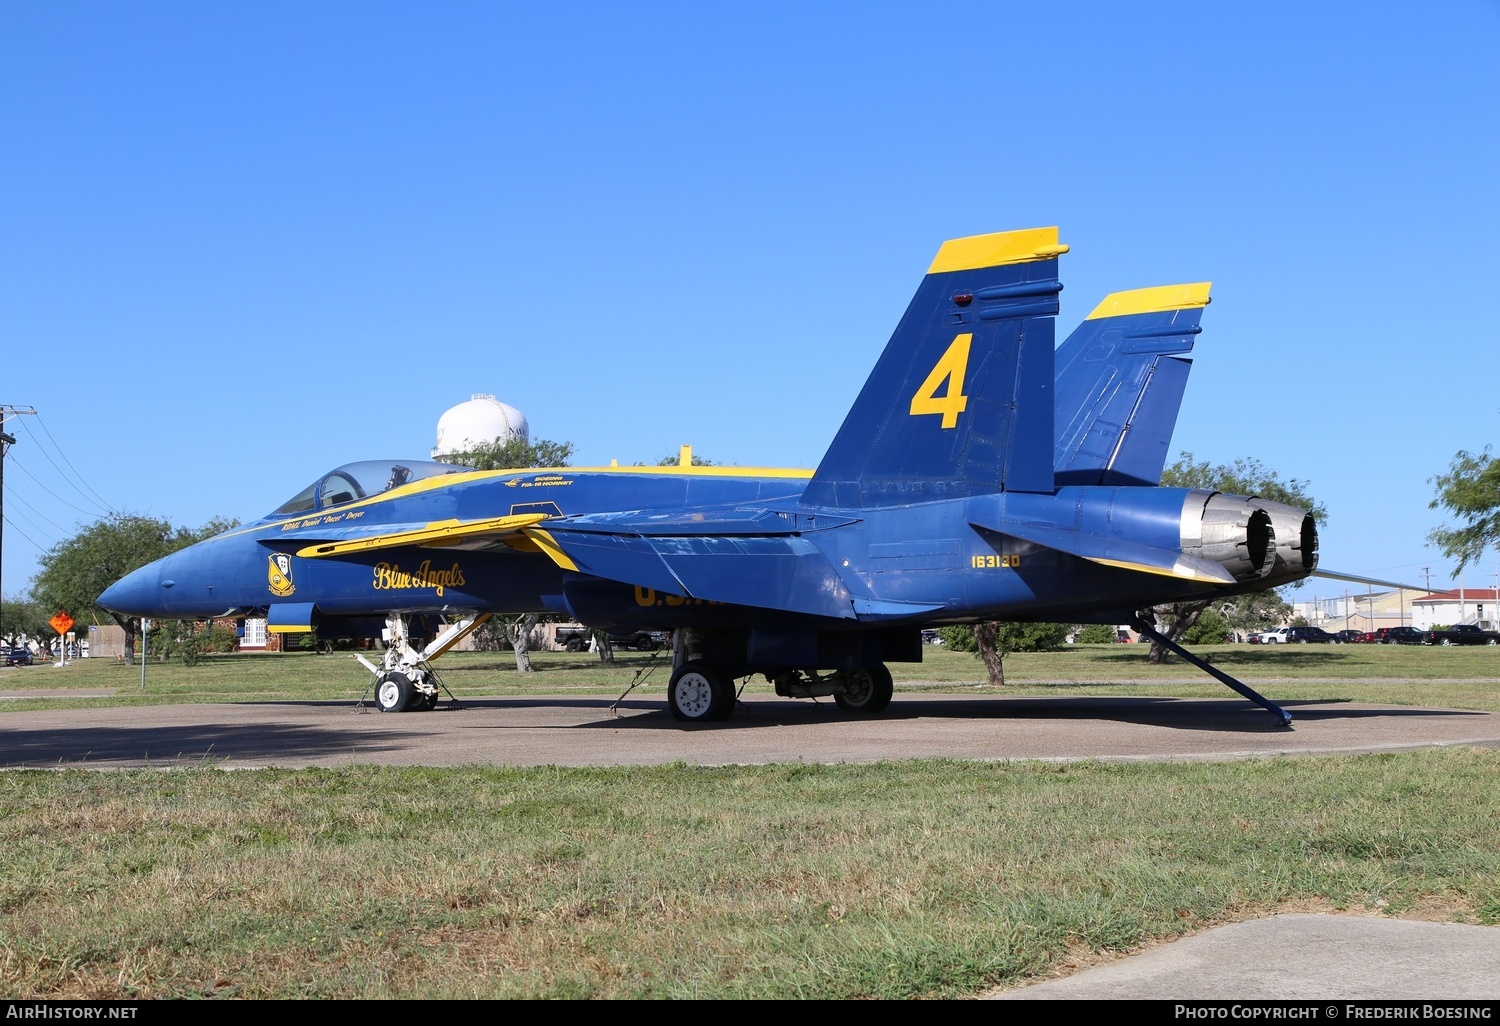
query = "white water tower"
x=481 y=420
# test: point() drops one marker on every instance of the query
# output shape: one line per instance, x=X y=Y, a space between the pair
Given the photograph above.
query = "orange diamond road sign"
x=61 y=623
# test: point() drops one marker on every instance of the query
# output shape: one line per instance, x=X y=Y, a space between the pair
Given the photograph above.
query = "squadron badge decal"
x=279 y=575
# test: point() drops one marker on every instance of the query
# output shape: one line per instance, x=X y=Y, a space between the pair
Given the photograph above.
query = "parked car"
x=18 y=657
x=1348 y=637
x=1296 y=635
x=1463 y=634
x=1368 y=638
x=576 y=639
x=1404 y=636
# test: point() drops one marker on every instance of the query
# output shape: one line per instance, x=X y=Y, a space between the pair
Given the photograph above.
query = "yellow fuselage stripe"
x=1185 y=572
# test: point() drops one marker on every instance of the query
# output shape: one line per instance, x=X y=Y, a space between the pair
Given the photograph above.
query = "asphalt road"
x=1286 y=957
x=590 y=731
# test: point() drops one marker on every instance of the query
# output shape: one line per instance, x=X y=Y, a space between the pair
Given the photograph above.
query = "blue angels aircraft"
x=982 y=474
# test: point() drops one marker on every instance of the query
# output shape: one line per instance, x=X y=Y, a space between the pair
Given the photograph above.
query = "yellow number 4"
x=950 y=368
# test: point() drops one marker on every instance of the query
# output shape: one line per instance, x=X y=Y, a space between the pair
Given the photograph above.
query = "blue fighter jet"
x=981 y=474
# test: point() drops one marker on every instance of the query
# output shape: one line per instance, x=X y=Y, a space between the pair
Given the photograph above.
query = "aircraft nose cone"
x=138 y=593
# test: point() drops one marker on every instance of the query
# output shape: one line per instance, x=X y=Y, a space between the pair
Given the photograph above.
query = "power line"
x=11 y=493
x=59 y=470
x=59 y=498
x=9 y=413
x=22 y=533
x=69 y=462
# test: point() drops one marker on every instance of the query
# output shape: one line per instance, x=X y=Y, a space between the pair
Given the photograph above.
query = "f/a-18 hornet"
x=982 y=474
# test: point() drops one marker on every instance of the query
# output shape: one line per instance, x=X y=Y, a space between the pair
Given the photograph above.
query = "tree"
x=1469 y=491
x=1211 y=628
x=189 y=640
x=993 y=640
x=1255 y=611
x=20 y=615
x=1095 y=634
x=1242 y=477
x=513 y=454
x=75 y=572
x=674 y=459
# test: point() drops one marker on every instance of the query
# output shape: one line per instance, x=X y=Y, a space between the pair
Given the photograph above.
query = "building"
x=1463 y=605
x=1368 y=610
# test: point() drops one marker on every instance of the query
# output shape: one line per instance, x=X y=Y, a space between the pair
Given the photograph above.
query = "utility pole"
x=7 y=413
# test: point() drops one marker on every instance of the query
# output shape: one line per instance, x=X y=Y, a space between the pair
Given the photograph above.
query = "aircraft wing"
x=750 y=557
x=781 y=571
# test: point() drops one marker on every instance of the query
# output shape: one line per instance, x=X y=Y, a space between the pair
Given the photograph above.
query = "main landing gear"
x=700 y=692
x=702 y=689
x=405 y=680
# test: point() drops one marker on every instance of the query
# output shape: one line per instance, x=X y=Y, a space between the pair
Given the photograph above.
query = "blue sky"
x=244 y=243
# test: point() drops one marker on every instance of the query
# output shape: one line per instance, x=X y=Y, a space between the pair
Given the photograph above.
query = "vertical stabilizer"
x=961 y=400
x=1120 y=380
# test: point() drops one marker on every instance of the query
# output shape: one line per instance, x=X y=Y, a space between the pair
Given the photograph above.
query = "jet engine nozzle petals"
x=1229 y=530
x=1296 y=541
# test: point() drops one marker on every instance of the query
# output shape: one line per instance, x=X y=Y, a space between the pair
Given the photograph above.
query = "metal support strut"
x=1151 y=632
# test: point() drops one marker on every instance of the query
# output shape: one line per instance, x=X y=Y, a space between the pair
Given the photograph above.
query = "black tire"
x=393 y=693
x=425 y=701
x=1447 y=642
x=575 y=644
x=700 y=693
x=645 y=643
x=868 y=691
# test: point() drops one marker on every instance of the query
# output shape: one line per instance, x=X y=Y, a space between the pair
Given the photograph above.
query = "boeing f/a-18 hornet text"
x=982 y=474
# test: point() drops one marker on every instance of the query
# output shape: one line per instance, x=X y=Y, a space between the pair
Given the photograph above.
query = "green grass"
x=927 y=878
x=922 y=878
x=1457 y=677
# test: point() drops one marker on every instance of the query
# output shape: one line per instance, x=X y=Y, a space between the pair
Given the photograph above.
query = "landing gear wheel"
x=393 y=693
x=866 y=692
x=425 y=702
x=700 y=693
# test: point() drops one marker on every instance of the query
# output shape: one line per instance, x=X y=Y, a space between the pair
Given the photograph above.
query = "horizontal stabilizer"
x=1334 y=575
x=1146 y=559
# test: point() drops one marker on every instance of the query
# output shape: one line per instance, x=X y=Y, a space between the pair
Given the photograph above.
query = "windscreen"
x=355 y=481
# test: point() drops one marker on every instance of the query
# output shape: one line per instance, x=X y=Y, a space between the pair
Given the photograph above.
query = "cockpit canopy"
x=355 y=481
